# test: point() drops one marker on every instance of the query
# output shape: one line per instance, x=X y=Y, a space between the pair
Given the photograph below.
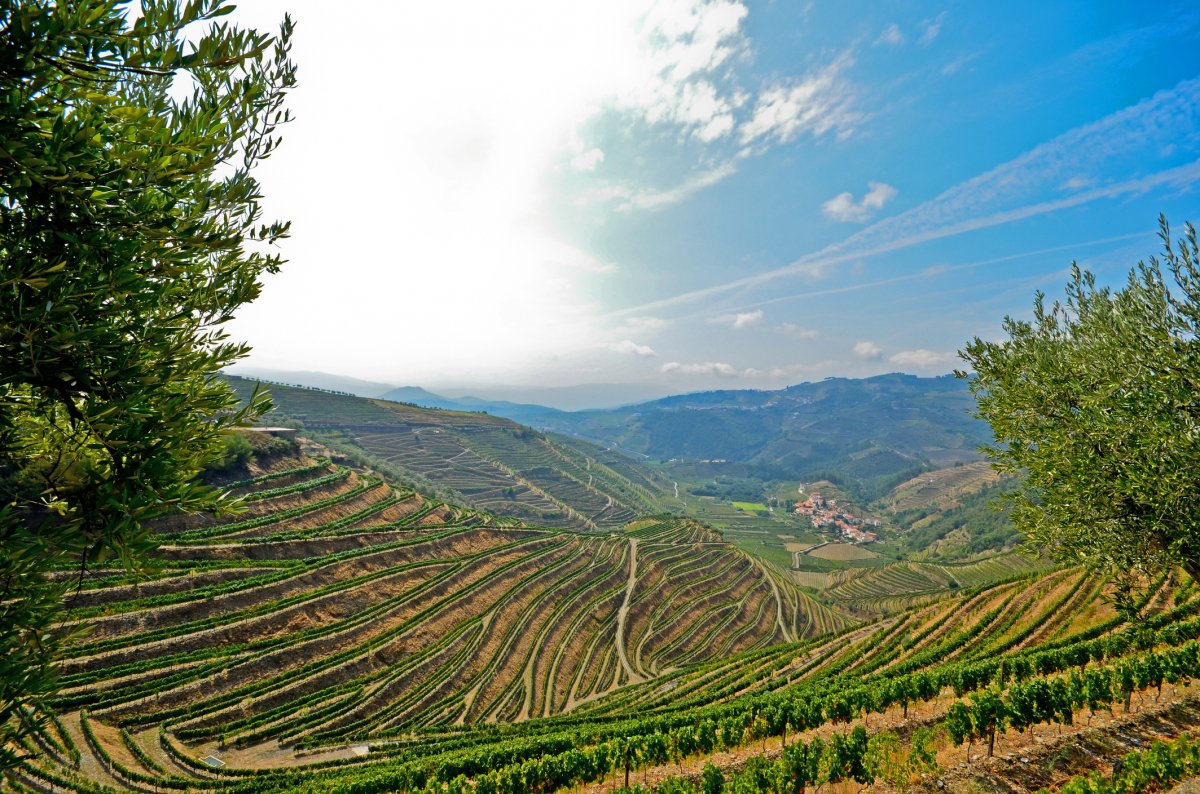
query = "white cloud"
x=587 y=161
x=799 y=332
x=711 y=368
x=956 y=66
x=891 y=36
x=681 y=45
x=651 y=199
x=867 y=350
x=631 y=348
x=680 y=74
x=777 y=372
x=817 y=104
x=739 y=320
x=843 y=207
x=921 y=358
x=640 y=325
x=930 y=29
x=1078 y=183
x=747 y=319
x=1126 y=144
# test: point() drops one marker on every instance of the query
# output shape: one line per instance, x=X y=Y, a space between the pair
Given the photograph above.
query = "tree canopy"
x=1095 y=403
x=130 y=232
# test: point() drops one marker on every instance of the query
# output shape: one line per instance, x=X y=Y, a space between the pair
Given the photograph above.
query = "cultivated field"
x=339 y=609
x=942 y=488
x=899 y=585
x=486 y=462
x=843 y=552
x=345 y=636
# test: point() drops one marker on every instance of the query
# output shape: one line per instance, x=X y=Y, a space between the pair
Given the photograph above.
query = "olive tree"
x=130 y=232
x=1095 y=404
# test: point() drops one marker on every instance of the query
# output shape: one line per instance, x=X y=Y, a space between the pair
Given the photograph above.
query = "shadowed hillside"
x=482 y=461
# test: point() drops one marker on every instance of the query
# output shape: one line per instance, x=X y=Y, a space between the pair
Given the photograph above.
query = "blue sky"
x=691 y=195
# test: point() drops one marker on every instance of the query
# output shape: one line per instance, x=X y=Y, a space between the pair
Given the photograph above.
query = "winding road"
x=623 y=613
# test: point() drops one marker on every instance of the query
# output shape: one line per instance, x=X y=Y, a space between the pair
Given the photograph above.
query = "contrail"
x=1137 y=133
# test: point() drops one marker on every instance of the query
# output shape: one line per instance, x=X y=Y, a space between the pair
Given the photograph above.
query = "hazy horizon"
x=577 y=397
x=690 y=195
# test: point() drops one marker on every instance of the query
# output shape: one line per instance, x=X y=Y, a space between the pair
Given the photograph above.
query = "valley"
x=548 y=479
x=344 y=629
x=688 y=397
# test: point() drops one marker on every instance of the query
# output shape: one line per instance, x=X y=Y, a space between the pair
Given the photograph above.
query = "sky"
x=688 y=195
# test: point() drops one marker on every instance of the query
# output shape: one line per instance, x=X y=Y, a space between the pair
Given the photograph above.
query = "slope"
x=884 y=700
x=339 y=608
x=482 y=461
x=867 y=434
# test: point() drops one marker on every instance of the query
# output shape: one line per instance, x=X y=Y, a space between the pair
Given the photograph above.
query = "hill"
x=345 y=636
x=482 y=461
x=525 y=413
x=867 y=435
x=338 y=606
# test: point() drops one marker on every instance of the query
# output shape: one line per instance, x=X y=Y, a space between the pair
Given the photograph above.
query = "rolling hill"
x=343 y=635
x=340 y=607
x=348 y=634
x=482 y=461
x=868 y=434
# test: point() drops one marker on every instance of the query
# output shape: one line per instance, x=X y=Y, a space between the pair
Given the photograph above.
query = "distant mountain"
x=579 y=397
x=869 y=433
x=415 y=395
x=319 y=380
x=528 y=399
x=518 y=412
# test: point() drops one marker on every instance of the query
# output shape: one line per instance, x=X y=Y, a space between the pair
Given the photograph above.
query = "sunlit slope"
x=1054 y=632
x=339 y=608
x=899 y=585
x=482 y=461
x=941 y=489
x=1022 y=613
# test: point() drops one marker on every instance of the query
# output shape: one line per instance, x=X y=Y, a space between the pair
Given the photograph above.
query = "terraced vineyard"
x=245 y=674
x=897 y=586
x=942 y=488
x=345 y=635
x=340 y=609
x=486 y=462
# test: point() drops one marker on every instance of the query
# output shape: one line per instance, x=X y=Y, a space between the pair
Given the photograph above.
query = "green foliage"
x=989 y=528
x=731 y=489
x=235 y=451
x=1093 y=402
x=1156 y=769
x=124 y=221
x=712 y=781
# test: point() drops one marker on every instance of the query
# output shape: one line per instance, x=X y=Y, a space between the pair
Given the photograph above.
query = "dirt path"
x=787 y=636
x=623 y=613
